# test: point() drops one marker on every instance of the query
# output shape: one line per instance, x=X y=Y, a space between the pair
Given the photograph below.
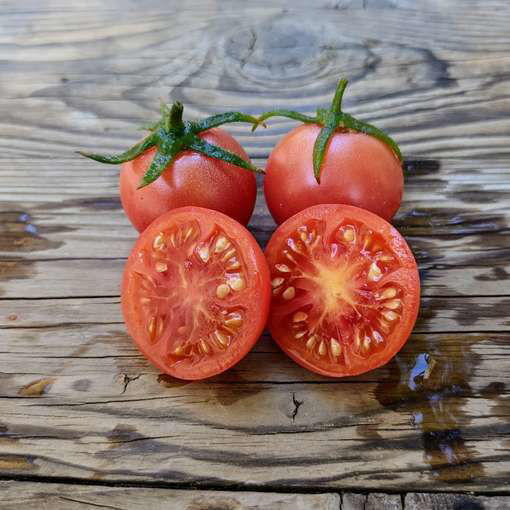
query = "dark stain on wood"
x=36 y=388
x=17 y=463
x=19 y=233
x=494 y=275
x=469 y=314
x=15 y=268
x=106 y=203
x=82 y=385
x=167 y=381
x=430 y=387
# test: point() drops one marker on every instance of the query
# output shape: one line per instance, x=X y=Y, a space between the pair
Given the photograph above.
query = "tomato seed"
x=221 y=338
x=348 y=235
x=336 y=348
x=221 y=244
x=389 y=315
x=159 y=242
x=289 y=293
x=393 y=304
x=283 y=268
x=203 y=253
x=234 y=320
x=222 y=290
x=310 y=342
x=300 y=317
x=322 y=348
x=161 y=267
x=388 y=293
x=374 y=273
x=236 y=284
x=276 y=282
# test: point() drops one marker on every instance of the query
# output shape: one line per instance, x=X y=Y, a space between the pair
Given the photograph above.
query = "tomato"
x=192 y=179
x=346 y=289
x=357 y=169
x=195 y=292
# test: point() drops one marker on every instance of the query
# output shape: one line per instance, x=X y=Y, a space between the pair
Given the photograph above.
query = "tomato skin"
x=406 y=276
x=256 y=297
x=193 y=179
x=357 y=170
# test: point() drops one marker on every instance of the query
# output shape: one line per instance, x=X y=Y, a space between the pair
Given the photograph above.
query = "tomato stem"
x=171 y=135
x=336 y=105
x=331 y=121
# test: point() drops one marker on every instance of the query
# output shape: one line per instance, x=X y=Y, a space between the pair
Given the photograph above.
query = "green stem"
x=336 y=105
x=284 y=113
x=175 y=118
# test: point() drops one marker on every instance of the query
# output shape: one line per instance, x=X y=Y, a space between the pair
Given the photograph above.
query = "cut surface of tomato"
x=345 y=289
x=195 y=292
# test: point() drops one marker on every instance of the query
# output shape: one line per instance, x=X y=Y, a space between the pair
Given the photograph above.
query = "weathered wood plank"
x=53 y=229
x=455 y=502
x=456 y=314
x=436 y=81
x=48 y=496
x=78 y=400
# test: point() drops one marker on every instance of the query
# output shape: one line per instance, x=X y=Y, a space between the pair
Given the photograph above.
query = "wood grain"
x=86 y=78
x=78 y=401
x=37 y=496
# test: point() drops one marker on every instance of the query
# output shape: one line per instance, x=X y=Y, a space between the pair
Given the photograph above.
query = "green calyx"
x=332 y=120
x=171 y=135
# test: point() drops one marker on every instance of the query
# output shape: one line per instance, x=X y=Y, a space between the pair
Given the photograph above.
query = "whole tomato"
x=333 y=159
x=186 y=164
x=192 y=179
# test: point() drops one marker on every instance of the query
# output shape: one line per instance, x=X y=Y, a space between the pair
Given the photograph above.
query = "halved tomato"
x=346 y=289
x=195 y=293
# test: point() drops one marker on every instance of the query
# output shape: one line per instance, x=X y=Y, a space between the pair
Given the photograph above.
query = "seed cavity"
x=222 y=290
x=161 y=267
x=300 y=317
x=276 y=282
x=336 y=348
x=221 y=244
x=236 y=284
x=374 y=273
x=289 y=293
x=283 y=268
x=159 y=242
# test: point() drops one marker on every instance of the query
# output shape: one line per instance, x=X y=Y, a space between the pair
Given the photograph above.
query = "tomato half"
x=192 y=179
x=357 y=169
x=346 y=289
x=195 y=292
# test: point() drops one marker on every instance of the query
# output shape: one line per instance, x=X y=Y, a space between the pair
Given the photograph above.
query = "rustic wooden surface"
x=79 y=404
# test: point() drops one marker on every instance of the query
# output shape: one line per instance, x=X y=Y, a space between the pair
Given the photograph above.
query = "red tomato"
x=357 y=169
x=192 y=179
x=346 y=289
x=195 y=293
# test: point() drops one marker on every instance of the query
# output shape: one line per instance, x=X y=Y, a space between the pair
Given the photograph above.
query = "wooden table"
x=86 y=422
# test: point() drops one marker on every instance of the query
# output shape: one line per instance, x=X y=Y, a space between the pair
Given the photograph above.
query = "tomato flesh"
x=195 y=292
x=345 y=292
